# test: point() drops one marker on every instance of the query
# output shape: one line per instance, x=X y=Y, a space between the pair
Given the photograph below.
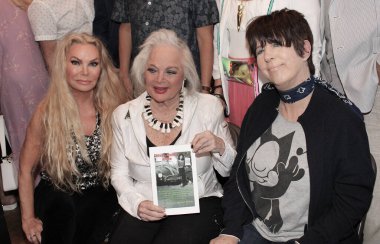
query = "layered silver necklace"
x=164 y=127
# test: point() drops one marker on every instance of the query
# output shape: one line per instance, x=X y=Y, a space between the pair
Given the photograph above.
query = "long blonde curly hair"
x=61 y=121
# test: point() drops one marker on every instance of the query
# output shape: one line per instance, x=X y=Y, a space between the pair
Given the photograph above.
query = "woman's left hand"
x=208 y=142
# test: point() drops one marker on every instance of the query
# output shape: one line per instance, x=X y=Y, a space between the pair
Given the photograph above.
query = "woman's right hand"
x=147 y=211
x=32 y=228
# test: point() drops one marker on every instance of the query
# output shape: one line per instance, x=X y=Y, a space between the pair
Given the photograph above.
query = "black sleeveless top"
x=149 y=143
x=88 y=170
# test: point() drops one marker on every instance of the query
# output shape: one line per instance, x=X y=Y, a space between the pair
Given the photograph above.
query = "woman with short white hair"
x=170 y=111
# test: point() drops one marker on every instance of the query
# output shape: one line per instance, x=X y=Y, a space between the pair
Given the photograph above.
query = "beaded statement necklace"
x=163 y=127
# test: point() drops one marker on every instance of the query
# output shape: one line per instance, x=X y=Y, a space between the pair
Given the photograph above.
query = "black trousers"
x=185 y=229
x=182 y=173
x=78 y=218
x=4 y=235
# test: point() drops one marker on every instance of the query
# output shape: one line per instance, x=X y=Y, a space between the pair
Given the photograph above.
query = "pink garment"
x=23 y=76
x=241 y=97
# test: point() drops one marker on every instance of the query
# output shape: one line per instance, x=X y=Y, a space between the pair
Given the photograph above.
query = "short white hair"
x=167 y=37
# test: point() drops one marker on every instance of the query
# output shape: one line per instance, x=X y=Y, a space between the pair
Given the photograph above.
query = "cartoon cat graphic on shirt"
x=271 y=174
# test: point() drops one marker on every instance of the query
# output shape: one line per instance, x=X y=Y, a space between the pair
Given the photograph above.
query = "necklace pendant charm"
x=156 y=126
x=239 y=15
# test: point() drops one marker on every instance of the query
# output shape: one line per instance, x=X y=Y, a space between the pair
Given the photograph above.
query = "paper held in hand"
x=174 y=179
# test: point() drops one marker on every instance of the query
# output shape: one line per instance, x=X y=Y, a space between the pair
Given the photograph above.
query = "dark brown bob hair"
x=284 y=27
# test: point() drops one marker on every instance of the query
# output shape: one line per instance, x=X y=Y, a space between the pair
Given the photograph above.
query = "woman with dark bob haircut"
x=303 y=171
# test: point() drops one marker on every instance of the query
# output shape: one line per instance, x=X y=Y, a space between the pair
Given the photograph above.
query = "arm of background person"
x=125 y=49
x=45 y=29
x=206 y=51
x=48 y=49
x=215 y=69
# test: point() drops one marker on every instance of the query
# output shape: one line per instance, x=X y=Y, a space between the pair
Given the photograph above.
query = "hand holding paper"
x=147 y=211
x=207 y=142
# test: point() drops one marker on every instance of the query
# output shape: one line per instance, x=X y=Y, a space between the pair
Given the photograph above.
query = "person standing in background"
x=23 y=77
x=192 y=20
x=230 y=47
x=351 y=63
x=51 y=20
x=106 y=29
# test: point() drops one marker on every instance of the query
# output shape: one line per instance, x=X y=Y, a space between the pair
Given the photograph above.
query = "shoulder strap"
x=3 y=137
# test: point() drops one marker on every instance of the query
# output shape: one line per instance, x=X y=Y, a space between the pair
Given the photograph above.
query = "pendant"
x=239 y=15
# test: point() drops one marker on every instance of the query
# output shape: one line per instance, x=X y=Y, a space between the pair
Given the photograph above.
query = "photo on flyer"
x=174 y=179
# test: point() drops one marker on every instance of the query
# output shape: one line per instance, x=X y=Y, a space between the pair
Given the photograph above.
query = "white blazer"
x=130 y=170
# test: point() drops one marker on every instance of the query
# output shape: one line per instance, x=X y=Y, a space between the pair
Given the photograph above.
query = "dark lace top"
x=88 y=170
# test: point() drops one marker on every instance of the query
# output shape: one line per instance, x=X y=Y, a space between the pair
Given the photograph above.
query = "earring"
x=183 y=84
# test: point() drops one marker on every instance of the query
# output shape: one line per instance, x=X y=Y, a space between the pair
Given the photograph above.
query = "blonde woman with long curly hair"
x=70 y=136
